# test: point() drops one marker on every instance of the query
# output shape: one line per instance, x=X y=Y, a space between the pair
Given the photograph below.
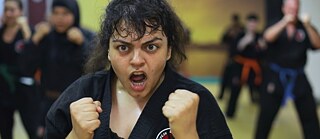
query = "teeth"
x=138 y=84
x=137 y=73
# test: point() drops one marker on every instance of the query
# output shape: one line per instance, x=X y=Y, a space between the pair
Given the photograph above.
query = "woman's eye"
x=123 y=48
x=151 y=48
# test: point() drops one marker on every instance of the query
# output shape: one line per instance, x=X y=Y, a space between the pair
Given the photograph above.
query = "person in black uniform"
x=59 y=49
x=284 y=77
x=136 y=93
x=229 y=39
x=17 y=88
x=246 y=67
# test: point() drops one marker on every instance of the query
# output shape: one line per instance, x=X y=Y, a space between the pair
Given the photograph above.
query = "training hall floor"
x=286 y=125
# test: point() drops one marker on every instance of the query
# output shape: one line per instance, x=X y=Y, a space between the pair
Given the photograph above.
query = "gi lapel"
x=151 y=117
x=104 y=131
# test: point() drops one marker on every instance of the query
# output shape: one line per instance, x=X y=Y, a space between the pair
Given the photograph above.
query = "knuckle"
x=165 y=108
x=169 y=103
x=95 y=124
x=83 y=126
x=179 y=91
x=98 y=122
x=195 y=96
x=98 y=103
x=171 y=96
x=87 y=99
x=96 y=115
x=72 y=105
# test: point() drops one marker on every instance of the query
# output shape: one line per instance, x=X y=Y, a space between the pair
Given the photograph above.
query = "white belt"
x=26 y=81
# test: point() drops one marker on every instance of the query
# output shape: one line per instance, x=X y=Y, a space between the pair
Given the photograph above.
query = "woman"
x=58 y=49
x=17 y=90
x=137 y=94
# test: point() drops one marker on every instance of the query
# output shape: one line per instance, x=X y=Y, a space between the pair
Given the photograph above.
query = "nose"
x=59 y=17
x=8 y=13
x=137 y=59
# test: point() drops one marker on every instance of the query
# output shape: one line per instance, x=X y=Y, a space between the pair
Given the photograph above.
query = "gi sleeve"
x=308 y=41
x=211 y=123
x=58 y=120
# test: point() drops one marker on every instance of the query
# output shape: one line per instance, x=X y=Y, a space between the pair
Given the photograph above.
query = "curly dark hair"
x=136 y=15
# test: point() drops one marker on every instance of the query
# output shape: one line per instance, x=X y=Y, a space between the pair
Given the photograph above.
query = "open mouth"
x=138 y=81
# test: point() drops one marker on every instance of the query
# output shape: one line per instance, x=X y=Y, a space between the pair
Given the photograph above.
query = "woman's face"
x=139 y=64
x=11 y=12
x=62 y=19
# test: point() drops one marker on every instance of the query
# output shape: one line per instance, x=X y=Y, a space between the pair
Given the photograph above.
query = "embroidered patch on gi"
x=165 y=134
x=300 y=35
x=19 y=46
x=271 y=87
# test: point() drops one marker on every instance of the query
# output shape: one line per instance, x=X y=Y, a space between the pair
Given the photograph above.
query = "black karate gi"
x=252 y=52
x=284 y=70
x=17 y=88
x=60 y=60
x=231 y=43
x=210 y=121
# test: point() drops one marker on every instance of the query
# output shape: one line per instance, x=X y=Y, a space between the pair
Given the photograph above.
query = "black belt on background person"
x=52 y=94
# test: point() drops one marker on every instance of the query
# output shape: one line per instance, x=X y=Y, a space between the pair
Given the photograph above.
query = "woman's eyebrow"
x=144 y=43
x=152 y=40
x=121 y=41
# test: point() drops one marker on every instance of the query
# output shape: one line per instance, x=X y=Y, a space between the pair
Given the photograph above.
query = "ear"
x=169 y=53
x=283 y=8
x=109 y=56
